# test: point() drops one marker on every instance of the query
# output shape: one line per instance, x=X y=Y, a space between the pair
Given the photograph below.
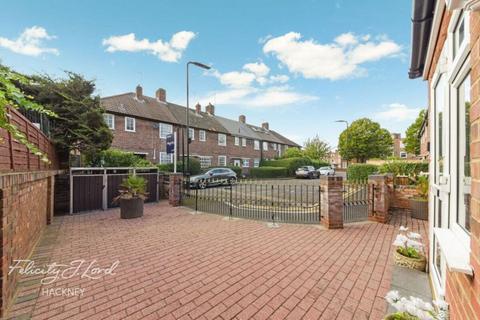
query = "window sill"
x=456 y=255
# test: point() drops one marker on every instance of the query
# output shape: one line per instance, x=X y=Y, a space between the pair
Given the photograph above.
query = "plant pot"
x=411 y=263
x=131 y=208
x=419 y=208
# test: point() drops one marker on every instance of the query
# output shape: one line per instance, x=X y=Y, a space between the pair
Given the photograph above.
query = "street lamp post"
x=346 y=140
x=203 y=66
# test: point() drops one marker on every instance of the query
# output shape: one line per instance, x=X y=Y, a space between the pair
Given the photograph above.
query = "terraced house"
x=140 y=124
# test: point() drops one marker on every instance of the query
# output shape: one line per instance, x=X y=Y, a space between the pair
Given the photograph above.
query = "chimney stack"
x=139 y=92
x=242 y=118
x=161 y=95
x=198 y=108
x=210 y=109
x=265 y=126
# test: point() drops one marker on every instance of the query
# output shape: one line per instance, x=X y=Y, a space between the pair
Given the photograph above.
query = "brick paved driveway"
x=176 y=265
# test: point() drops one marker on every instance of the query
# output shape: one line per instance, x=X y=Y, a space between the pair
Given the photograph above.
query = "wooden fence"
x=14 y=156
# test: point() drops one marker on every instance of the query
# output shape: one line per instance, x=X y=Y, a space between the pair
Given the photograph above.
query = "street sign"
x=170 y=143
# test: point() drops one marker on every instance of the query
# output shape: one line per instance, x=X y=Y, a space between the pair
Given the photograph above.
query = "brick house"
x=446 y=53
x=140 y=125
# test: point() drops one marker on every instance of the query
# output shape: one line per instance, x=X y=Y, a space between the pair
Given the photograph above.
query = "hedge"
x=404 y=168
x=268 y=172
x=117 y=158
x=360 y=171
x=194 y=166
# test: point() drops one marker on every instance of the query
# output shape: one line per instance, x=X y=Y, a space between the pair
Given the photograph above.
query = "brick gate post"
x=175 y=189
x=331 y=202
x=382 y=195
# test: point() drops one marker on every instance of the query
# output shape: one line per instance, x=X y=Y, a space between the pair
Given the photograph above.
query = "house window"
x=222 y=139
x=256 y=163
x=205 y=161
x=246 y=163
x=244 y=142
x=191 y=134
x=109 y=120
x=236 y=163
x=129 y=124
x=274 y=146
x=265 y=146
x=165 y=158
x=165 y=129
x=202 y=135
x=256 y=145
x=458 y=36
x=222 y=161
x=237 y=141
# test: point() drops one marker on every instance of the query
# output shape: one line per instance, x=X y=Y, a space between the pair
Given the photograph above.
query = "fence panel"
x=87 y=193
x=257 y=200
x=357 y=201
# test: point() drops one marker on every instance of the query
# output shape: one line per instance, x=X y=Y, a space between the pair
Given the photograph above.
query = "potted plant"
x=419 y=204
x=408 y=251
x=131 y=197
x=415 y=308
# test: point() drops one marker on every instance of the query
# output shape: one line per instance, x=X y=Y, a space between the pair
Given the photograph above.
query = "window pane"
x=439 y=123
x=464 y=177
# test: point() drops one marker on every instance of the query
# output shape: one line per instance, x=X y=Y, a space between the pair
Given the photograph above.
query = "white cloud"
x=259 y=69
x=337 y=60
x=169 y=51
x=30 y=42
x=398 y=112
x=282 y=78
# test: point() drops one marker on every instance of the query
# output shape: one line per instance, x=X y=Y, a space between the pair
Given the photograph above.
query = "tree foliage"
x=316 y=149
x=365 y=139
x=12 y=95
x=412 y=140
x=292 y=153
x=80 y=125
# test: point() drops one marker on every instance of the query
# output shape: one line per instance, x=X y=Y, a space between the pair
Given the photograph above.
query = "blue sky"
x=300 y=65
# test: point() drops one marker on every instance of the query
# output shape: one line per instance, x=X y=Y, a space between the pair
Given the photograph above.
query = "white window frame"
x=245 y=163
x=244 y=142
x=162 y=155
x=223 y=144
x=191 y=133
x=237 y=140
x=220 y=162
x=134 y=124
x=165 y=130
x=237 y=163
x=265 y=146
x=205 y=161
x=202 y=135
x=112 y=117
x=256 y=144
x=256 y=163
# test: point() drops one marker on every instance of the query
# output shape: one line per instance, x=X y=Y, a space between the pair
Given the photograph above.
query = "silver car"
x=326 y=171
x=307 y=172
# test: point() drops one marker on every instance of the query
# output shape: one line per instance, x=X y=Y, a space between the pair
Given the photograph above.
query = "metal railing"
x=41 y=121
x=358 y=201
x=256 y=199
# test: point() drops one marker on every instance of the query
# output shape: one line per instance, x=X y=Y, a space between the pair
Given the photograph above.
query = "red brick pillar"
x=175 y=189
x=331 y=201
x=380 y=195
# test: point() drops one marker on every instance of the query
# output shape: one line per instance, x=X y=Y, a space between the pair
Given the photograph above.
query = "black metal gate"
x=358 y=201
x=258 y=200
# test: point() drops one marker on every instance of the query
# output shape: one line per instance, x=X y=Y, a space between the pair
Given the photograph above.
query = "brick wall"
x=463 y=292
x=402 y=195
x=26 y=208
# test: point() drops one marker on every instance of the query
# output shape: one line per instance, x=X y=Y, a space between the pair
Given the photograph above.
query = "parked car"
x=307 y=172
x=326 y=171
x=214 y=177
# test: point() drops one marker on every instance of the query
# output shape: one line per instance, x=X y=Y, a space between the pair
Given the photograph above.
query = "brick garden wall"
x=402 y=195
x=26 y=208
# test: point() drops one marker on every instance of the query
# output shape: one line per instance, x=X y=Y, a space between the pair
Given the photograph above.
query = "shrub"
x=117 y=158
x=360 y=171
x=320 y=163
x=195 y=167
x=291 y=164
x=268 y=172
x=292 y=153
x=404 y=168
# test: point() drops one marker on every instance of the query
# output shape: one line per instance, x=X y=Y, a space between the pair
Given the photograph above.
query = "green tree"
x=80 y=125
x=412 y=139
x=365 y=139
x=12 y=95
x=293 y=153
x=316 y=149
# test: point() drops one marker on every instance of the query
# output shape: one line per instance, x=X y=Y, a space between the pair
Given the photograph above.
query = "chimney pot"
x=265 y=126
x=242 y=118
x=139 y=92
x=198 y=108
x=210 y=109
x=161 y=95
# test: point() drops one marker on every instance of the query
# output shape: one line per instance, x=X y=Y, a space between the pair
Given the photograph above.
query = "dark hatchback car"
x=214 y=177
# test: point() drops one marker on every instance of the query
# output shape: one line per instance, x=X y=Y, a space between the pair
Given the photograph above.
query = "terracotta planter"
x=411 y=263
x=131 y=208
x=419 y=209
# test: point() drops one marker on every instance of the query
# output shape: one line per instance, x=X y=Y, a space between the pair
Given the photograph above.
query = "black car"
x=214 y=177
